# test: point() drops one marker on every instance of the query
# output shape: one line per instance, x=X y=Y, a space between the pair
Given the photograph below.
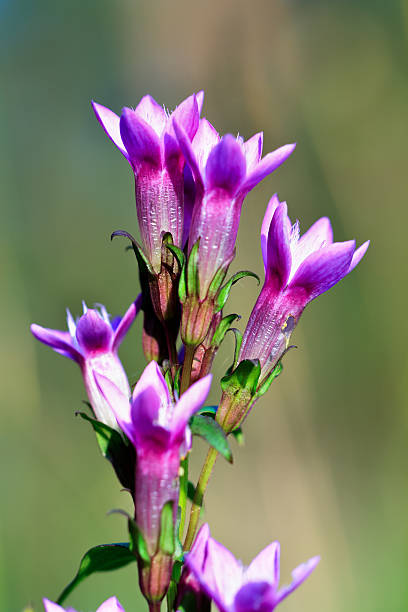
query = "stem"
x=199 y=495
x=183 y=495
x=171 y=346
x=154 y=606
x=187 y=366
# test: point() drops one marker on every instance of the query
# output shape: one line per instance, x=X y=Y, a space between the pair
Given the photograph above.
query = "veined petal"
x=189 y=155
x=199 y=547
x=319 y=235
x=266 y=166
x=253 y=151
x=50 y=606
x=270 y=211
x=223 y=573
x=93 y=333
x=279 y=258
x=299 y=574
x=118 y=402
x=324 y=268
x=152 y=113
x=110 y=605
x=153 y=378
x=187 y=116
x=200 y=100
x=189 y=403
x=204 y=141
x=110 y=123
x=126 y=322
x=141 y=141
x=265 y=566
x=226 y=165
x=58 y=340
x=358 y=255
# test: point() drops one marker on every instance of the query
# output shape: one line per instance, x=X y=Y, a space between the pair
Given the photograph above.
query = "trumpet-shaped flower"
x=189 y=584
x=92 y=342
x=225 y=170
x=297 y=270
x=146 y=138
x=110 y=605
x=235 y=588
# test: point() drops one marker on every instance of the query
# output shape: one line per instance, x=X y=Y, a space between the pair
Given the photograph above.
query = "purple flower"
x=93 y=342
x=225 y=170
x=297 y=270
x=235 y=588
x=110 y=605
x=189 y=584
x=158 y=428
x=145 y=136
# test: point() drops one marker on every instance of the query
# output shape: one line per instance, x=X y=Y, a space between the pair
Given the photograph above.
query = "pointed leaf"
x=222 y=329
x=206 y=427
x=245 y=376
x=218 y=279
x=239 y=436
x=103 y=558
x=274 y=374
x=115 y=449
x=178 y=254
x=167 y=540
x=193 y=285
x=182 y=287
x=225 y=291
x=208 y=411
x=137 y=542
x=136 y=247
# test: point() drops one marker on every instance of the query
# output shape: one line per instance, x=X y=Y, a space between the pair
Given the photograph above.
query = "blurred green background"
x=324 y=468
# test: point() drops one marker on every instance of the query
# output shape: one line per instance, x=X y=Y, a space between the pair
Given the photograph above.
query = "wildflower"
x=110 y=605
x=189 y=586
x=92 y=342
x=158 y=428
x=235 y=588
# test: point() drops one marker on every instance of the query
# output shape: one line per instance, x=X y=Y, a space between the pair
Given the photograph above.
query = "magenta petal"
x=141 y=141
x=226 y=165
x=253 y=151
x=152 y=113
x=110 y=123
x=199 y=547
x=204 y=141
x=299 y=575
x=279 y=258
x=318 y=235
x=324 y=268
x=93 y=332
x=189 y=155
x=187 y=116
x=50 y=606
x=358 y=255
x=110 y=605
x=153 y=378
x=189 y=403
x=126 y=322
x=58 y=340
x=266 y=166
x=265 y=566
x=270 y=211
x=118 y=402
x=200 y=100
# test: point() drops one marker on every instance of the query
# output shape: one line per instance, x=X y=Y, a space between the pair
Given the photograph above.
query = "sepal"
x=225 y=291
x=244 y=377
x=208 y=429
x=167 y=538
x=223 y=326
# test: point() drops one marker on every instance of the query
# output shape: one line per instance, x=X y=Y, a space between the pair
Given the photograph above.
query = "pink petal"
x=226 y=165
x=110 y=123
x=265 y=566
x=279 y=259
x=189 y=154
x=110 y=605
x=204 y=141
x=272 y=206
x=50 y=606
x=266 y=166
x=141 y=141
x=126 y=322
x=152 y=113
x=187 y=116
x=118 y=402
x=299 y=574
x=200 y=101
x=358 y=255
x=58 y=340
x=253 y=151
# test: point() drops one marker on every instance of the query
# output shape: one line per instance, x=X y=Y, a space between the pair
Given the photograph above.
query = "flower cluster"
x=190 y=185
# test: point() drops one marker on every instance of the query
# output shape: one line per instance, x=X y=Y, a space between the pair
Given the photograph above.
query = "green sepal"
x=175 y=579
x=238 y=435
x=218 y=279
x=222 y=328
x=245 y=376
x=274 y=374
x=116 y=449
x=140 y=254
x=238 y=342
x=169 y=380
x=206 y=427
x=182 y=286
x=103 y=558
x=193 y=284
x=138 y=544
x=178 y=253
x=225 y=291
x=167 y=540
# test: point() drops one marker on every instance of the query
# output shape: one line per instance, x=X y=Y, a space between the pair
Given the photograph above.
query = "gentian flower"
x=297 y=270
x=146 y=138
x=158 y=428
x=110 y=605
x=235 y=588
x=92 y=342
x=225 y=170
x=189 y=586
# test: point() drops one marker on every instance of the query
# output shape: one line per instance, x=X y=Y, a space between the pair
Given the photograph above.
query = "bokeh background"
x=324 y=467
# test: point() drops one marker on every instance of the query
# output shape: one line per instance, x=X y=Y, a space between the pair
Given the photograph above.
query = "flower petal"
x=279 y=258
x=358 y=255
x=204 y=141
x=324 y=268
x=265 y=566
x=253 y=151
x=189 y=155
x=226 y=165
x=152 y=377
x=152 y=113
x=266 y=166
x=58 y=340
x=141 y=141
x=299 y=574
x=110 y=605
x=187 y=116
x=126 y=321
x=110 y=123
x=189 y=403
x=118 y=402
x=270 y=211
x=319 y=235
x=50 y=606
x=93 y=333
x=200 y=100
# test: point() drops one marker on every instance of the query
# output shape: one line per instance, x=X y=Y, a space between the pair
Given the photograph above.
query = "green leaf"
x=115 y=449
x=245 y=376
x=178 y=254
x=208 y=411
x=223 y=326
x=225 y=291
x=238 y=435
x=103 y=558
x=138 y=544
x=167 y=540
x=182 y=287
x=274 y=374
x=218 y=279
x=140 y=254
x=193 y=284
x=206 y=427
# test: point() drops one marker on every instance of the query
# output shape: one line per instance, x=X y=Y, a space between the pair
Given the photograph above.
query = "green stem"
x=187 y=367
x=199 y=495
x=183 y=495
x=171 y=346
